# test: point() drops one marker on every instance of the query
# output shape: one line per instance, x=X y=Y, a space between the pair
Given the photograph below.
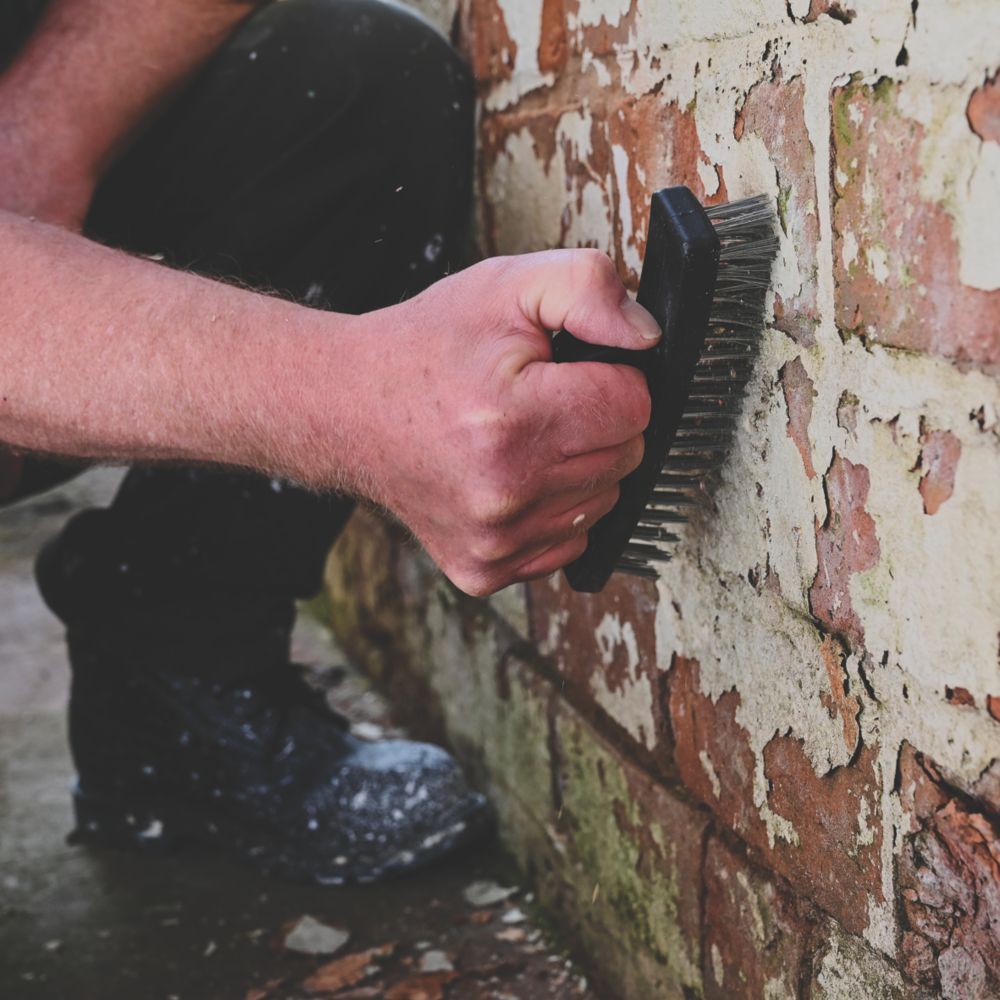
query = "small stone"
x=435 y=961
x=210 y=949
x=53 y=945
x=311 y=937
x=487 y=893
x=514 y=916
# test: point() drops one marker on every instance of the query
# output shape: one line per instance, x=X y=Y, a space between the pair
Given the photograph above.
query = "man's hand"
x=497 y=459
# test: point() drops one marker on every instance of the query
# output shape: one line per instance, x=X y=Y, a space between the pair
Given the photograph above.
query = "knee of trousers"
x=310 y=103
x=405 y=75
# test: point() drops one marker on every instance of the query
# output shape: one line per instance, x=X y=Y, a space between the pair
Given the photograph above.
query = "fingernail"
x=641 y=321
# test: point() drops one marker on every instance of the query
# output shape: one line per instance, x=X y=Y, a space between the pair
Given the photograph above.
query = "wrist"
x=304 y=394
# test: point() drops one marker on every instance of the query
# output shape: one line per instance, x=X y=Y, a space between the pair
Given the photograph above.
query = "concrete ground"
x=89 y=924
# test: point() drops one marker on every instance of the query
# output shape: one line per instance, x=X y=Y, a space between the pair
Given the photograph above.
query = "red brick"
x=949 y=885
x=799 y=394
x=838 y=10
x=984 y=110
x=494 y=132
x=601 y=39
x=993 y=706
x=846 y=544
x=757 y=935
x=919 y=302
x=553 y=45
x=662 y=146
x=839 y=701
x=959 y=696
x=938 y=459
x=831 y=864
x=486 y=42
x=775 y=111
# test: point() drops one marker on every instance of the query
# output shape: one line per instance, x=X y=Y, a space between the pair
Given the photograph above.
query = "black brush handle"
x=676 y=286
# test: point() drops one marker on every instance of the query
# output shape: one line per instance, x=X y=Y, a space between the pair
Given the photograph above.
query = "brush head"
x=705 y=278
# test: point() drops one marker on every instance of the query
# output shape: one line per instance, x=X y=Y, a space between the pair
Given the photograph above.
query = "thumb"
x=579 y=290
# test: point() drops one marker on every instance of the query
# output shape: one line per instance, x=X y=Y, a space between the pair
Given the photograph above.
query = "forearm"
x=114 y=358
x=87 y=80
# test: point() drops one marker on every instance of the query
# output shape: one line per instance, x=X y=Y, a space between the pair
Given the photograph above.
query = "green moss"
x=884 y=89
x=641 y=892
x=841 y=118
x=784 y=195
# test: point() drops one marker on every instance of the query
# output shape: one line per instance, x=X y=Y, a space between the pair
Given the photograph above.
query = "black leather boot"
x=188 y=723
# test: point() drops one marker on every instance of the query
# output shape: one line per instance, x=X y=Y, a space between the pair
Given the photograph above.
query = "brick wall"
x=776 y=772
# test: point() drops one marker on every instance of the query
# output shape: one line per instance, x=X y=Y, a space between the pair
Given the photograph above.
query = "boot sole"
x=164 y=825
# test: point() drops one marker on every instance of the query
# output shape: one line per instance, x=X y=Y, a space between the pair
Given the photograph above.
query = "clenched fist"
x=496 y=458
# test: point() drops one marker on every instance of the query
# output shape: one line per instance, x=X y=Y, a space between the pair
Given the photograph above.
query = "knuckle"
x=492 y=269
x=595 y=266
x=490 y=433
x=472 y=582
x=490 y=508
x=489 y=547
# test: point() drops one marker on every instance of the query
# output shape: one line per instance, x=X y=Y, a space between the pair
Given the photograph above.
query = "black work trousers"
x=325 y=154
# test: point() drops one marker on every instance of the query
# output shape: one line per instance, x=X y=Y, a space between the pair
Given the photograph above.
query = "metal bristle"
x=748 y=236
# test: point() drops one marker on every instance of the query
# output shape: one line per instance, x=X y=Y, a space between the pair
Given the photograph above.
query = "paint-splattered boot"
x=188 y=724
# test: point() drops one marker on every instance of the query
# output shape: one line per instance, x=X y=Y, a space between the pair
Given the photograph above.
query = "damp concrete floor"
x=83 y=924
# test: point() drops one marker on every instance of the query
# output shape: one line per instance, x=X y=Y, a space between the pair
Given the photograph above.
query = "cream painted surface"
x=631 y=702
x=978 y=229
x=524 y=26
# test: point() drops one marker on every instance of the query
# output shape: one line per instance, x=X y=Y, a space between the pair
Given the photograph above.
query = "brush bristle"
x=747 y=233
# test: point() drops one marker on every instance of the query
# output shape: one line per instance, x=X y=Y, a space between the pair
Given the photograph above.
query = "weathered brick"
x=939 y=455
x=775 y=111
x=553 y=46
x=846 y=968
x=605 y=648
x=949 y=882
x=799 y=394
x=896 y=259
x=840 y=701
x=486 y=42
x=846 y=543
x=633 y=856
x=378 y=622
x=837 y=9
x=993 y=706
x=827 y=837
x=984 y=110
x=757 y=935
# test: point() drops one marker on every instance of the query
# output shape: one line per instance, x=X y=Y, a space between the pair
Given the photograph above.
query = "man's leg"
x=325 y=153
